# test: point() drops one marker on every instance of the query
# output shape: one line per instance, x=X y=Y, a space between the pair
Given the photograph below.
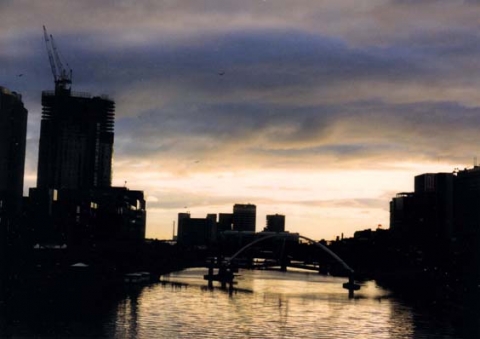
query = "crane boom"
x=50 y=55
x=61 y=77
x=58 y=62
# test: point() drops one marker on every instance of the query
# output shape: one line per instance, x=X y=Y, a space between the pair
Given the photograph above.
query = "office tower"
x=244 y=217
x=196 y=231
x=225 y=222
x=13 y=130
x=428 y=212
x=275 y=223
x=467 y=202
x=404 y=213
x=435 y=194
x=76 y=141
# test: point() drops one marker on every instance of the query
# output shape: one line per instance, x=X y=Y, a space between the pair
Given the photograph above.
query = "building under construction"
x=76 y=141
x=74 y=202
x=76 y=136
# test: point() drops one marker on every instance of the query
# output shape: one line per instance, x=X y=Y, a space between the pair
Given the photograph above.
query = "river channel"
x=264 y=304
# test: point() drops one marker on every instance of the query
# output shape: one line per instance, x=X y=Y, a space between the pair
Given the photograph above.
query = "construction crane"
x=61 y=75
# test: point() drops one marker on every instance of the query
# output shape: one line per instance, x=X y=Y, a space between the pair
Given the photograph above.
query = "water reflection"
x=265 y=305
x=55 y=313
x=309 y=304
x=126 y=320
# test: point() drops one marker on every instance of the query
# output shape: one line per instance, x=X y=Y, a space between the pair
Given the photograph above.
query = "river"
x=264 y=304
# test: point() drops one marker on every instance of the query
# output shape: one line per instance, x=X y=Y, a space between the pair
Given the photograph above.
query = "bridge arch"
x=290 y=235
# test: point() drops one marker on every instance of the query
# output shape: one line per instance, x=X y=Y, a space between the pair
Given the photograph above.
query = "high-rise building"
x=74 y=202
x=435 y=192
x=225 y=222
x=244 y=217
x=428 y=212
x=467 y=202
x=196 y=231
x=13 y=130
x=275 y=223
x=76 y=141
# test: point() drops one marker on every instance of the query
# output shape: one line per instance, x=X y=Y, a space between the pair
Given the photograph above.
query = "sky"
x=318 y=110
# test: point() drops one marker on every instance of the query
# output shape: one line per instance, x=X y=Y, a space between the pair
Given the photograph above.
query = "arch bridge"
x=228 y=266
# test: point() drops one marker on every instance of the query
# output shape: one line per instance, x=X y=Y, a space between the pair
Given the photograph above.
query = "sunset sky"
x=318 y=110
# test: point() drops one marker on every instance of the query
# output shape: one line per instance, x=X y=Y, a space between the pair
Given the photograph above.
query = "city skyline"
x=321 y=112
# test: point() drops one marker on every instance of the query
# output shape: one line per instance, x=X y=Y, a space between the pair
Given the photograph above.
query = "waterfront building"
x=13 y=130
x=74 y=202
x=275 y=223
x=403 y=213
x=428 y=212
x=75 y=161
x=196 y=231
x=76 y=141
x=467 y=202
x=41 y=209
x=244 y=217
x=120 y=214
x=435 y=194
x=225 y=222
x=87 y=217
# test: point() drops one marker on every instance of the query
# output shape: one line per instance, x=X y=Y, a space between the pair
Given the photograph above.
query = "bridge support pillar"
x=351 y=284
x=283 y=264
x=210 y=275
x=222 y=275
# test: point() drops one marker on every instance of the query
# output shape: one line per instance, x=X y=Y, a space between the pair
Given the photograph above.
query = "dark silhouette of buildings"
x=196 y=231
x=225 y=222
x=428 y=211
x=244 y=217
x=74 y=202
x=76 y=134
x=87 y=217
x=435 y=233
x=13 y=129
x=443 y=206
x=467 y=198
x=275 y=223
x=231 y=228
x=76 y=141
x=403 y=212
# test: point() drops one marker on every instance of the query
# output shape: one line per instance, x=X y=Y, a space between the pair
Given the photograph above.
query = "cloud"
x=359 y=134
x=227 y=88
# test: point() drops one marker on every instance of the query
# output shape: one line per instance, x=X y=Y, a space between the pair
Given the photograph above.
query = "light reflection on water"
x=267 y=304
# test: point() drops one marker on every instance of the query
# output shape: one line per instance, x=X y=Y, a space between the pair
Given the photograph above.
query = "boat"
x=137 y=277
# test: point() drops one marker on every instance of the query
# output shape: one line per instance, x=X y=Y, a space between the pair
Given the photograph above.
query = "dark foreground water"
x=265 y=304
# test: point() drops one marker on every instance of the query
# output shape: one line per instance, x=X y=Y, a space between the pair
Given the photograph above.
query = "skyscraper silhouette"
x=275 y=223
x=76 y=135
x=76 y=141
x=13 y=129
x=74 y=202
x=244 y=217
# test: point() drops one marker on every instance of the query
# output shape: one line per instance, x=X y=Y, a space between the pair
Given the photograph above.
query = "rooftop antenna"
x=475 y=162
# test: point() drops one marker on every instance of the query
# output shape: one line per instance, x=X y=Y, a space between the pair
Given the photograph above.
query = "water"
x=265 y=304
